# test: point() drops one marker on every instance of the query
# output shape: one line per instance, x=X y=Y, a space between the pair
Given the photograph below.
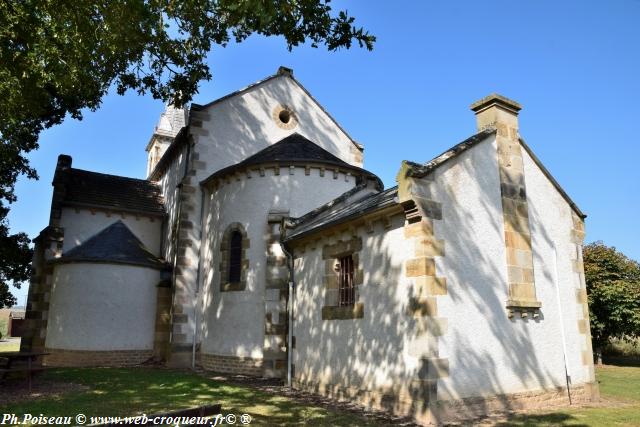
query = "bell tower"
x=171 y=121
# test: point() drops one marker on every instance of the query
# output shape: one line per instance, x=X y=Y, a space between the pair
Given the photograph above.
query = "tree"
x=15 y=259
x=613 y=289
x=58 y=57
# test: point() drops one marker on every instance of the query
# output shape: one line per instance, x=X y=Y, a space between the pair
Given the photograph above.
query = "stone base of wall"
x=232 y=364
x=453 y=411
x=82 y=358
x=475 y=407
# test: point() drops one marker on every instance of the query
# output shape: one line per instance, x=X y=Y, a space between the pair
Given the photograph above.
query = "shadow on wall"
x=372 y=353
x=244 y=125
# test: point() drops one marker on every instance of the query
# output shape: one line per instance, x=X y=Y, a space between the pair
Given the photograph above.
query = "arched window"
x=234 y=263
x=235 y=257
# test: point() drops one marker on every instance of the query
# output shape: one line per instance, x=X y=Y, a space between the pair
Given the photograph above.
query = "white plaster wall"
x=551 y=224
x=234 y=321
x=169 y=188
x=242 y=125
x=102 y=307
x=488 y=352
x=235 y=129
x=367 y=353
x=82 y=225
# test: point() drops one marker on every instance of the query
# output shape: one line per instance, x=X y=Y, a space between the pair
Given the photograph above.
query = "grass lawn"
x=121 y=392
x=618 y=385
x=132 y=391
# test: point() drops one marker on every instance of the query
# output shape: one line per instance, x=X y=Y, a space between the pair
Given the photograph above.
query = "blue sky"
x=573 y=65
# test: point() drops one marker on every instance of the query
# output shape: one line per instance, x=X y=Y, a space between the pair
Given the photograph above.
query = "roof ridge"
x=112 y=175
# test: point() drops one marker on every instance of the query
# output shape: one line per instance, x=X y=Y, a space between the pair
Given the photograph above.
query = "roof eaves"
x=154 y=212
x=283 y=163
x=340 y=220
x=550 y=177
x=159 y=265
x=200 y=107
x=419 y=170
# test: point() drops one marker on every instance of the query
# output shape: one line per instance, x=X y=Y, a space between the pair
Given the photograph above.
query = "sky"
x=573 y=65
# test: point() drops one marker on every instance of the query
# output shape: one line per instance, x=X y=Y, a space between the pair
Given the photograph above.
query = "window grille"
x=235 y=257
x=346 y=289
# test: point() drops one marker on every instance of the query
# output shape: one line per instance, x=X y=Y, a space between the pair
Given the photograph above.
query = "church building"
x=259 y=245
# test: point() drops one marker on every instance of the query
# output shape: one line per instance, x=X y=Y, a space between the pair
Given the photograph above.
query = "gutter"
x=196 y=323
x=290 y=305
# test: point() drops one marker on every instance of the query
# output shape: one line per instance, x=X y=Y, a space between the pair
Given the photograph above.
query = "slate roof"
x=342 y=212
x=115 y=244
x=85 y=188
x=292 y=149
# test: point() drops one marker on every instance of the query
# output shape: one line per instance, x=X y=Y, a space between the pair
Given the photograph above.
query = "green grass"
x=122 y=392
x=618 y=385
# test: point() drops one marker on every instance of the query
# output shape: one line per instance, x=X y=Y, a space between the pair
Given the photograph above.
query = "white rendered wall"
x=82 y=225
x=102 y=307
x=231 y=131
x=169 y=188
x=234 y=321
x=488 y=353
x=242 y=125
x=365 y=353
x=551 y=224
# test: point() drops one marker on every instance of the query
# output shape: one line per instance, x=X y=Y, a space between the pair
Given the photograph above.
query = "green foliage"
x=613 y=287
x=58 y=57
x=15 y=259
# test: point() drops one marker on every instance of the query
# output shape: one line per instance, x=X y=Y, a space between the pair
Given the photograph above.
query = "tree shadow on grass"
x=128 y=392
x=554 y=419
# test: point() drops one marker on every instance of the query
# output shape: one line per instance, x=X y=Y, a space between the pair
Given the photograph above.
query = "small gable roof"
x=292 y=149
x=91 y=189
x=115 y=244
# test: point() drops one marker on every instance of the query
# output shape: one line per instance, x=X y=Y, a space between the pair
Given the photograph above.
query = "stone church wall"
x=240 y=126
x=247 y=322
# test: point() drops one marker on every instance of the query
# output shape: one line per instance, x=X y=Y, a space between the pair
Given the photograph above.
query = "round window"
x=285 y=117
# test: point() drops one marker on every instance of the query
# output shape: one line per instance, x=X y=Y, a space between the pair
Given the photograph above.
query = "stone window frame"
x=293 y=117
x=225 y=245
x=331 y=255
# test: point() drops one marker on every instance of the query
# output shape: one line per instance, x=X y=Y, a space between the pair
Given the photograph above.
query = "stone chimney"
x=59 y=189
x=497 y=112
x=64 y=162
